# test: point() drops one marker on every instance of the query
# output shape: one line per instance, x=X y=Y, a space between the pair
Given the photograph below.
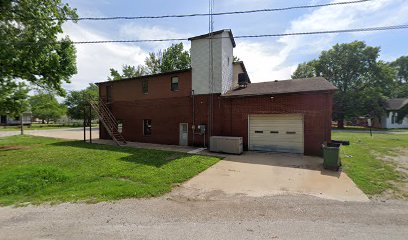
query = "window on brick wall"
x=145 y=86
x=147 y=127
x=174 y=84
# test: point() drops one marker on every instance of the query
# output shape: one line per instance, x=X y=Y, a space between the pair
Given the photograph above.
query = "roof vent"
x=243 y=79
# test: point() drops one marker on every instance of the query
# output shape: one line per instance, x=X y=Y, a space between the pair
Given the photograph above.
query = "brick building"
x=185 y=107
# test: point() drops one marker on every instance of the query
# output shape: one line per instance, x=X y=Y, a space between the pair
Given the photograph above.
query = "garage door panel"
x=278 y=148
x=275 y=139
x=276 y=132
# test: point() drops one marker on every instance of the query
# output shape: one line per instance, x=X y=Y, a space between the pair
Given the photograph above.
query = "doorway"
x=183 y=135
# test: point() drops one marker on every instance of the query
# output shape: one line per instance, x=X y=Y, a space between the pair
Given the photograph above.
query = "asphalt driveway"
x=267 y=174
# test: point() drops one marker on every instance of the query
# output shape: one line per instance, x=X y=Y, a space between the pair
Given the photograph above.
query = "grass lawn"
x=365 y=166
x=359 y=128
x=38 y=169
x=40 y=126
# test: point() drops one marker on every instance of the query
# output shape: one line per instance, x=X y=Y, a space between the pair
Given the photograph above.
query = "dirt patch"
x=400 y=191
x=13 y=147
x=400 y=160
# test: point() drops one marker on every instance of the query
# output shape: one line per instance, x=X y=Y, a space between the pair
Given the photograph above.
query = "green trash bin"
x=331 y=156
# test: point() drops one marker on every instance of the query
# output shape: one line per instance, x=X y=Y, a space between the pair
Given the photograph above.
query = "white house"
x=7 y=120
x=392 y=107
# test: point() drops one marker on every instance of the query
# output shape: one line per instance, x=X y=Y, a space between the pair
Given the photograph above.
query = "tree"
x=235 y=59
x=171 y=59
x=127 y=72
x=77 y=101
x=32 y=47
x=305 y=70
x=46 y=107
x=13 y=97
x=362 y=81
x=401 y=66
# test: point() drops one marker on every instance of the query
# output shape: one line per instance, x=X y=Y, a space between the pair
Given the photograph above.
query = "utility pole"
x=90 y=123
x=21 y=124
x=84 y=123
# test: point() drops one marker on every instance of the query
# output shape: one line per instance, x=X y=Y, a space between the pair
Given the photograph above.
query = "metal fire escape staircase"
x=108 y=120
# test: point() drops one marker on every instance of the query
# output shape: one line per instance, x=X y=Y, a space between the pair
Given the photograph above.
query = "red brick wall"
x=159 y=87
x=168 y=109
x=316 y=108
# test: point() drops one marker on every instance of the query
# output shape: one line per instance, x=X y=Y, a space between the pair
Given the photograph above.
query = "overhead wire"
x=367 y=29
x=207 y=14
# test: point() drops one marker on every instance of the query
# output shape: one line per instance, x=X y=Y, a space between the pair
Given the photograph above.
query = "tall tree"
x=13 y=97
x=363 y=82
x=305 y=70
x=170 y=59
x=127 y=72
x=77 y=101
x=46 y=107
x=401 y=66
x=32 y=47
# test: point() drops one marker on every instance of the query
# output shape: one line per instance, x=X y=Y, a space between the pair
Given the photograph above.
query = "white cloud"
x=95 y=60
x=136 y=31
x=266 y=63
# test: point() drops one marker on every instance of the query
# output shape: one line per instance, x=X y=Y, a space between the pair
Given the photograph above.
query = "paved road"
x=231 y=217
x=65 y=133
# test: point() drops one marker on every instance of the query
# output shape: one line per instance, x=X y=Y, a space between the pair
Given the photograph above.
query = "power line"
x=384 y=28
x=207 y=14
x=368 y=29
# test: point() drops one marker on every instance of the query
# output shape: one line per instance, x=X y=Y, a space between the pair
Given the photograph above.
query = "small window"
x=147 y=127
x=274 y=131
x=145 y=86
x=174 y=84
x=393 y=117
x=290 y=132
x=258 y=131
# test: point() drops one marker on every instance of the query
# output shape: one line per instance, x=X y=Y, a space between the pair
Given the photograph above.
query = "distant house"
x=392 y=107
x=187 y=107
x=8 y=121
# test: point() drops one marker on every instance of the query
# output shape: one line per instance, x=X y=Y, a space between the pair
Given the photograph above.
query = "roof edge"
x=145 y=76
x=214 y=33
x=275 y=94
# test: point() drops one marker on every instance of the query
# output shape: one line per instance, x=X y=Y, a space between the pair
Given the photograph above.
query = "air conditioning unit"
x=223 y=144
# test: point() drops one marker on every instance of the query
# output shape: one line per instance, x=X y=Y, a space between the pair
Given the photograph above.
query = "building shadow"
x=151 y=157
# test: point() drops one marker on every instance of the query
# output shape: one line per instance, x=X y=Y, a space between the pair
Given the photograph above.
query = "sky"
x=266 y=59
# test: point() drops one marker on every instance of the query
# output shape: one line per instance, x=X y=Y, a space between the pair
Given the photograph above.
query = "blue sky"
x=266 y=59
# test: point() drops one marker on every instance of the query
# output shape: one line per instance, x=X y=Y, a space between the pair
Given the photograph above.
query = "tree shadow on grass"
x=150 y=157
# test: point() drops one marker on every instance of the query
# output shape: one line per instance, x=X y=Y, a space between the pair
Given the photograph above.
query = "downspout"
x=193 y=96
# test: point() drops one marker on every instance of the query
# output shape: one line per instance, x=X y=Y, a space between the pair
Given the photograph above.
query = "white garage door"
x=276 y=132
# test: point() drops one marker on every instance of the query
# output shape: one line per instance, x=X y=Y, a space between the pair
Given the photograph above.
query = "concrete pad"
x=266 y=174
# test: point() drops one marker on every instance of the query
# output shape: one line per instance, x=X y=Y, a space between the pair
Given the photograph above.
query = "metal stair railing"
x=108 y=120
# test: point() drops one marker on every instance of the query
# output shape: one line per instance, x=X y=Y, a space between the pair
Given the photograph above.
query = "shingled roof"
x=396 y=103
x=282 y=87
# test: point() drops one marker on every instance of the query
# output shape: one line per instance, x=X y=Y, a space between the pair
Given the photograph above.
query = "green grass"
x=359 y=128
x=36 y=170
x=365 y=167
x=39 y=126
